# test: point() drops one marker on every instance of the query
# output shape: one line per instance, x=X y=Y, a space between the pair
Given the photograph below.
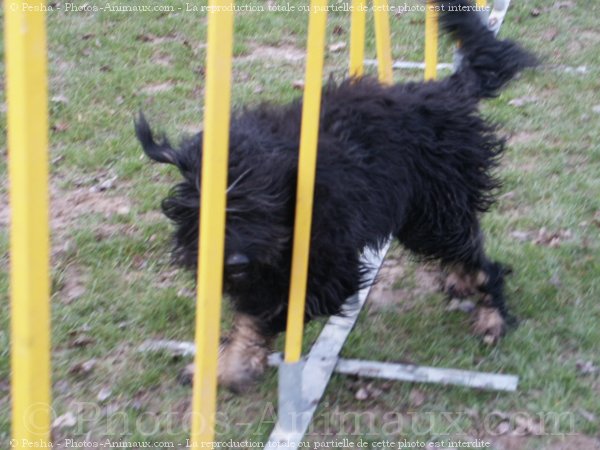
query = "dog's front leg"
x=243 y=354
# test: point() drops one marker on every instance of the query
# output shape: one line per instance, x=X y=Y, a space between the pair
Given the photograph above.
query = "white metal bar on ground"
x=323 y=358
x=410 y=65
x=419 y=374
x=422 y=374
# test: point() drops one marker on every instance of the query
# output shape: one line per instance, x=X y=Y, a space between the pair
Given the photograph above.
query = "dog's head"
x=259 y=203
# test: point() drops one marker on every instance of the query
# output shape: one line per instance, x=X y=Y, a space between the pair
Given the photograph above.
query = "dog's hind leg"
x=485 y=281
x=460 y=248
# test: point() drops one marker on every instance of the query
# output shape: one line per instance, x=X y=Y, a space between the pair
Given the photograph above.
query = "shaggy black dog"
x=412 y=160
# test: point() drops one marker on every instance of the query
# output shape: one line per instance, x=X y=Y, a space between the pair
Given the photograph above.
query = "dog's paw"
x=241 y=365
x=489 y=324
x=237 y=371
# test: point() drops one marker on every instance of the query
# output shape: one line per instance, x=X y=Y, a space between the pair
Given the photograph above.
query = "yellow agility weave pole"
x=431 y=41
x=382 y=40
x=27 y=97
x=358 y=21
x=212 y=219
x=311 y=106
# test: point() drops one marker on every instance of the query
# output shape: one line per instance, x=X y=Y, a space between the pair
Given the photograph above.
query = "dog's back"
x=423 y=146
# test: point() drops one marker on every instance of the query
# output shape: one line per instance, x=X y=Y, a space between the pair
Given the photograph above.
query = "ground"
x=113 y=286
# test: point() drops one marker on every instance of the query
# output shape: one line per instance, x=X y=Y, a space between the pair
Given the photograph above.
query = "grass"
x=113 y=286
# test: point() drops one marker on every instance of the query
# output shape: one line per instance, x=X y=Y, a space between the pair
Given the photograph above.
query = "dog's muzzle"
x=236 y=266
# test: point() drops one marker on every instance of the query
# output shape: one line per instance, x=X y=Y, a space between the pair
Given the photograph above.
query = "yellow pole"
x=27 y=97
x=382 y=38
x=481 y=3
x=212 y=219
x=306 y=178
x=431 y=41
x=358 y=21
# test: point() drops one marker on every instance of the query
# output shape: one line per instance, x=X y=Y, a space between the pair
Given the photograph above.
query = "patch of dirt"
x=524 y=137
x=162 y=59
x=58 y=67
x=592 y=36
x=74 y=285
x=154 y=39
x=157 y=88
x=282 y=53
x=70 y=206
x=543 y=237
x=386 y=293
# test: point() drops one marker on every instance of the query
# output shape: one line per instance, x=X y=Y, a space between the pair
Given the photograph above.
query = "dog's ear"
x=158 y=151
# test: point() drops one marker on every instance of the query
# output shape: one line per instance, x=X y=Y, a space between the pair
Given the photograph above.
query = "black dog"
x=411 y=160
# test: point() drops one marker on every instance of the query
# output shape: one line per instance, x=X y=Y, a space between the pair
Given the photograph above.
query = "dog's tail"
x=487 y=63
x=158 y=151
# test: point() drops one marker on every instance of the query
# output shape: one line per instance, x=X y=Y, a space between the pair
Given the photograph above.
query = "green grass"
x=105 y=66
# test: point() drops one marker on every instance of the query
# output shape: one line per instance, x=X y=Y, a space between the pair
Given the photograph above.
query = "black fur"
x=412 y=160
